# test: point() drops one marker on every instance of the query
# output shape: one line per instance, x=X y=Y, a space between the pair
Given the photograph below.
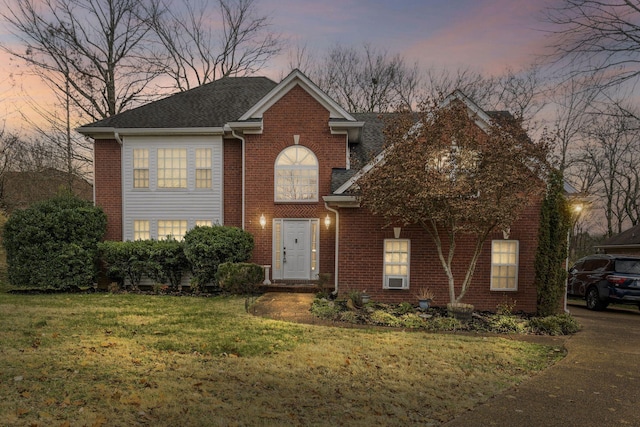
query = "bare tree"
x=195 y=52
x=596 y=36
x=97 y=47
x=367 y=79
x=609 y=159
x=521 y=93
x=440 y=82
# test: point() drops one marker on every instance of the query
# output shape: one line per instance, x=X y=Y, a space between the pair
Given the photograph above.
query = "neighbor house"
x=625 y=243
x=280 y=161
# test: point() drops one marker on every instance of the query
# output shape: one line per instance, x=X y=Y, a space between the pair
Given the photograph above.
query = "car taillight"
x=616 y=280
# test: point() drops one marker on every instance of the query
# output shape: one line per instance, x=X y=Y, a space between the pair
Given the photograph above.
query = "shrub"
x=167 y=262
x=239 y=278
x=325 y=309
x=53 y=244
x=561 y=324
x=126 y=260
x=381 y=317
x=208 y=247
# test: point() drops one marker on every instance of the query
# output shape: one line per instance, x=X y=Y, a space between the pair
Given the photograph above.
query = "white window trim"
x=385 y=277
x=516 y=265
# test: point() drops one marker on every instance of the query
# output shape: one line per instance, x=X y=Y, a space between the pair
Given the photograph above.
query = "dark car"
x=605 y=279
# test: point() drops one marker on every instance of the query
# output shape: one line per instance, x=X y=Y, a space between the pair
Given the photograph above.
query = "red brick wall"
x=232 y=182
x=108 y=184
x=361 y=262
x=296 y=113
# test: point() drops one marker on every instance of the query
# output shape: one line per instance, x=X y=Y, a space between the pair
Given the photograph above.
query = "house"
x=625 y=243
x=20 y=189
x=280 y=160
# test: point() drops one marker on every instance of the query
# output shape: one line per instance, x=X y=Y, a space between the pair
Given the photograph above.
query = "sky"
x=484 y=35
x=488 y=35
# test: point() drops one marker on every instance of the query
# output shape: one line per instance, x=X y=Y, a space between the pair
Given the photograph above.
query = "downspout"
x=116 y=134
x=241 y=138
x=337 y=248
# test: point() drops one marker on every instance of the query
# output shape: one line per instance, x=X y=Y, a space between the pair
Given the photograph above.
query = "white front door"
x=295 y=249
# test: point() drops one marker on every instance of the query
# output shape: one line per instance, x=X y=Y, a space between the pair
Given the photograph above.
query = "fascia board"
x=296 y=77
x=342 y=201
x=98 y=133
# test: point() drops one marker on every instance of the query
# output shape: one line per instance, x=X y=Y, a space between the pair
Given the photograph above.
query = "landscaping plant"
x=53 y=244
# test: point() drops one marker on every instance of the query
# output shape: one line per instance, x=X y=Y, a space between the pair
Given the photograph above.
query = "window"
x=172 y=168
x=203 y=223
x=140 y=168
x=141 y=230
x=203 y=168
x=172 y=228
x=504 y=265
x=296 y=175
x=396 y=264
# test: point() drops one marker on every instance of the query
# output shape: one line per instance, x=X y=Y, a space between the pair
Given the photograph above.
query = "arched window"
x=296 y=175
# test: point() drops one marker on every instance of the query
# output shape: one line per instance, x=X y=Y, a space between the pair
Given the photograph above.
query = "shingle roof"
x=626 y=238
x=210 y=105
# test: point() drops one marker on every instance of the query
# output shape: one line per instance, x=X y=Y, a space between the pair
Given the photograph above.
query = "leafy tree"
x=456 y=175
x=555 y=220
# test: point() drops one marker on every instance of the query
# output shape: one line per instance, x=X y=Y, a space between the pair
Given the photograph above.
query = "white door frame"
x=308 y=254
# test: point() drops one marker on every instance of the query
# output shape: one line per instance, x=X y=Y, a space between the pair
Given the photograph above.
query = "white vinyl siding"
x=396 y=263
x=155 y=204
x=504 y=265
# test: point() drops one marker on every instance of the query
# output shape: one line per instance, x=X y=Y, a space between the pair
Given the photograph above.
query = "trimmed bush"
x=163 y=261
x=167 y=262
x=561 y=324
x=239 y=278
x=126 y=260
x=53 y=244
x=208 y=247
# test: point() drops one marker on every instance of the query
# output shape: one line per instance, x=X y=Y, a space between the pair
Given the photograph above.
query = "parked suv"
x=604 y=279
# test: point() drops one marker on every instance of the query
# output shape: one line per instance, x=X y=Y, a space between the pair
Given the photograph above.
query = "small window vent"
x=396 y=282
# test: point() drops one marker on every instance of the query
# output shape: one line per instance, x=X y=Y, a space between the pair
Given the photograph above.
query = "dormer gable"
x=340 y=121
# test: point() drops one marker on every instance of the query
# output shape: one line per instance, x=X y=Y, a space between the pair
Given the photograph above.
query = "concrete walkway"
x=597 y=384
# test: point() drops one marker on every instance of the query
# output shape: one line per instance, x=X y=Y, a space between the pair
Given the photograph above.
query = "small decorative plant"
x=425 y=294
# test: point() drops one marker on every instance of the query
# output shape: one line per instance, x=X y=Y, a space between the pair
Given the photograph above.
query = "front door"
x=296 y=250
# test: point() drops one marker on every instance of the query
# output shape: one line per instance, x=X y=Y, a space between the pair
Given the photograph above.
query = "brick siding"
x=108 y=184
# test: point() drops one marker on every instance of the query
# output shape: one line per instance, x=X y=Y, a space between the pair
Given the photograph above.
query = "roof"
x=210 y=105
x=628 y=238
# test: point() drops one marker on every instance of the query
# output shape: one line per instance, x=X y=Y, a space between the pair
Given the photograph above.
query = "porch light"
x=327 y=221
x=263 y=221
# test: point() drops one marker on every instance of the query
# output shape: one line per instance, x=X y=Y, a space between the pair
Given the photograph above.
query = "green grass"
x=124 y=359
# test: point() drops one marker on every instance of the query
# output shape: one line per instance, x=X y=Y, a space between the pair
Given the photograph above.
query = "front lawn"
x=124 y=359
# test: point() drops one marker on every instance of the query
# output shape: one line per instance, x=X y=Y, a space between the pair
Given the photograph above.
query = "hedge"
x=239 y=278
x=53 y=244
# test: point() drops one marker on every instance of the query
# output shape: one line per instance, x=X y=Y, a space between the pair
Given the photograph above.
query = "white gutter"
x=241 y=138
x=337 y=248
x=116 y=135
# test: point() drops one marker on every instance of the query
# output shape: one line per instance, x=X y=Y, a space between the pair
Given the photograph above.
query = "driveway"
x=597 y=384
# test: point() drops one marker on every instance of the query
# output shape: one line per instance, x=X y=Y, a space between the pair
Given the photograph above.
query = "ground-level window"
x=141 y=230
x=396 y=263
x=203 y=223
x=172 y=228
x=504 y=265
